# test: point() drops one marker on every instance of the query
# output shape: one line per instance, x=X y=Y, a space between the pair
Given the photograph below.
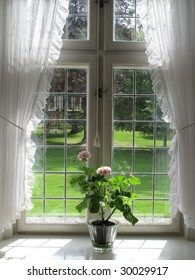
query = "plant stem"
x=102 y=213
x=111 y=214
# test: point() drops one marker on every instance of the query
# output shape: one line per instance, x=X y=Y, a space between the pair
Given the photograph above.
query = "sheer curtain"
x=170 y=35
x=30 y=40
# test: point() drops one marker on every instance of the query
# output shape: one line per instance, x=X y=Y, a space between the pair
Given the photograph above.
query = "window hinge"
x=102 y=2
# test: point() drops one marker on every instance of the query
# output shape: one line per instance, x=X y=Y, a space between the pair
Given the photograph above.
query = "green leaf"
x=94 y=205
x=112 y=204
x=135 y=180
x=128 y=215
x=89 y=171
x=119 y=204
x=82 y=205
x=77 y=180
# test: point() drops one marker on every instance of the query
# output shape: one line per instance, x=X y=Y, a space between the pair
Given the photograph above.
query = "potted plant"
x=104 y=195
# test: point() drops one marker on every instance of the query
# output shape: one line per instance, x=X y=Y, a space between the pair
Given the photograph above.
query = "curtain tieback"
x=19 y=127
x=187 y=126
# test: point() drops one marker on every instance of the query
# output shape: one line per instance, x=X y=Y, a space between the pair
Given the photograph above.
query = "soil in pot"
x=102 y=223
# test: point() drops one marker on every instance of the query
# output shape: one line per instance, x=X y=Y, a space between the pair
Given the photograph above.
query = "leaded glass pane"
x=123 y=108
x=123 y=81
x=127 y=25
x=77 y=81
x=77 y=22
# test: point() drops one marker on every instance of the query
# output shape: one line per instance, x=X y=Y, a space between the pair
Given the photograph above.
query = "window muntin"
x=59 y=138
x=141 y=140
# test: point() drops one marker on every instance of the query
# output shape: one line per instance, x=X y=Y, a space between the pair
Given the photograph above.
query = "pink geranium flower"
x=104 y=170
x=84 y=155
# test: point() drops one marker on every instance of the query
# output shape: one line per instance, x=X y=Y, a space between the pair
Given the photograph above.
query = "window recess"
x=101 y=84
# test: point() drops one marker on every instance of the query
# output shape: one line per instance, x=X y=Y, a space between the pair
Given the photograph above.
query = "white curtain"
x=170 y=35
x=30 y=40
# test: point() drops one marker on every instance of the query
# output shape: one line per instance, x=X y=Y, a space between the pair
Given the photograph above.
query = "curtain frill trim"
x=54 y=53
x=159 y=85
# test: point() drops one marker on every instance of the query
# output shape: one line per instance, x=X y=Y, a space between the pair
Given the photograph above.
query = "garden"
x=60 y=164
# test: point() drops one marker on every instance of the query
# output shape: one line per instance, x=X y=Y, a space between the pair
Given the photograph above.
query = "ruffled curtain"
x=170 y=42
x=30 y=40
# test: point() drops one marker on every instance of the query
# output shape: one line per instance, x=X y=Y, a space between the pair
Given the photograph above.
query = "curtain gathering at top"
x=170 y=46
x=30 y=41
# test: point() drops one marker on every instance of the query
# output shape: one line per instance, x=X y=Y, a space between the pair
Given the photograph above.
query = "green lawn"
x=122 y=159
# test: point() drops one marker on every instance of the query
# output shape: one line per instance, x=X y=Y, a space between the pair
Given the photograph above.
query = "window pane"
x=55 y=107
x=72 y=192
x=145 y=189
x=162 y=161
x=144 y=136
x=122 y=160
x=54 y=159
x=164 y=135
x=144 y=161
x=58 y=81
x=122 y=134
x=76 y=27
x=162 y=186
x=123 y=81
x=38 y=135
x=76 y=107
x=123 y=108
x=127 y=25
x=72 y=212
x=39 y=159
x=54 y=185
x=77 y=81
x=38 y=189
x=54 y=132
x=76 y=133
x=145 y=108
x=143 y=209
x=54 y=207
x=162 y=209
x=71 y=159
x=37 y=211
x=143 y=82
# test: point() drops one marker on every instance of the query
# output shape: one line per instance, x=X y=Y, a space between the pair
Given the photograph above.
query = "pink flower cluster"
x=104 y=170
x=84 y=155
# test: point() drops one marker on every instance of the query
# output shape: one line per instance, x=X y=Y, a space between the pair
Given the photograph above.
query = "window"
x=59 y=138
x=103 y=52
x=141 y=141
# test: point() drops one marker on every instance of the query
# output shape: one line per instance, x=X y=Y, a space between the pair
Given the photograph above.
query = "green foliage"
x=103 y=193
